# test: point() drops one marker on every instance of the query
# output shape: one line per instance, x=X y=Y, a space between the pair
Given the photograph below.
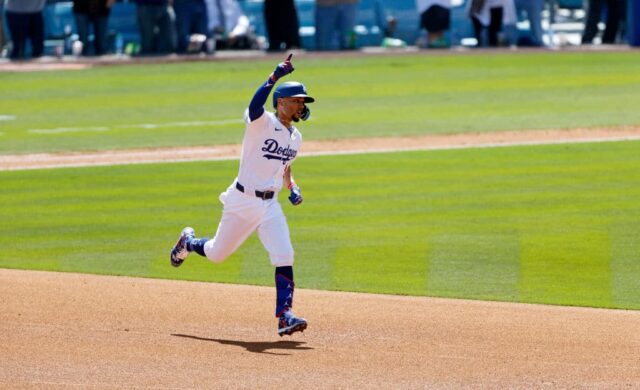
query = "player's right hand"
x=296 y=197
x=283 y=68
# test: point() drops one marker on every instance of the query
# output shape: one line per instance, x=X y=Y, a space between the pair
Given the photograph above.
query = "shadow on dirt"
x=254 y=346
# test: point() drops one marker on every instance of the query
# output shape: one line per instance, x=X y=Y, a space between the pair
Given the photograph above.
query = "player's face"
x=291 y=108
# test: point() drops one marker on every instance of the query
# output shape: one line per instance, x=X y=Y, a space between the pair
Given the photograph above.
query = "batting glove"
x=295 y=198
x=283 y=69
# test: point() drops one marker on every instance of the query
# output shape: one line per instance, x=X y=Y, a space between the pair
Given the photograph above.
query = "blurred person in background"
x=95 y=14
x=229 y=26
x=2 y=38
x=281 y=19
x=26 y=23
x=491 y=18
x=435 y=18
x=533 y=9
x=156 y=21
x=615 y=15
x=334 y=22
x=390 y=27
x=191 y=18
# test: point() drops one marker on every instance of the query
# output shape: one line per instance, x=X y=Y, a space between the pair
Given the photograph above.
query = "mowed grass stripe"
x=625 y=263
x=482 y=265
x=572 y=267
x=551 y=224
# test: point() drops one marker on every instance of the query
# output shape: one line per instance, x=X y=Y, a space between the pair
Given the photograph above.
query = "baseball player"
x=270 y=145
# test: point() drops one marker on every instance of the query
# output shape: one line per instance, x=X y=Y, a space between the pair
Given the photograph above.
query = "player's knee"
x=282 y=260
x=216 y=258
x=215 y=255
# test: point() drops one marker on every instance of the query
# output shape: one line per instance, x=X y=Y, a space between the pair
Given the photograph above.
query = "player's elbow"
x=255 y=112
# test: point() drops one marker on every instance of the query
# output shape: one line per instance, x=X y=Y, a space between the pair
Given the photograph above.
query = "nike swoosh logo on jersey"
x=278 y=129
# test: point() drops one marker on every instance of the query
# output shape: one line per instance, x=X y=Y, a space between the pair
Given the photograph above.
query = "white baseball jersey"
x=267 y=149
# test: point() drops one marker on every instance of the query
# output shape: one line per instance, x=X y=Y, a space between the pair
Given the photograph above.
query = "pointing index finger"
x=289 y=58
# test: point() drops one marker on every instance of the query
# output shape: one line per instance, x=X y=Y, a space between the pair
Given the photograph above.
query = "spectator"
x=533 y=9
x=191 y=18
x=26 y=22
x=435 y=17
x=391 y=27
x=2 y=39
x=92 y=13
x=615 y=13
x=489 y=17
x=335 y=21
x=281 y=19
x=156 y=22
x=230 y=28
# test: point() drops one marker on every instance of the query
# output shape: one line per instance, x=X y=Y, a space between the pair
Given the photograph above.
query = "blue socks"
x=284 y=278
x=197 y=245
x=284 y=289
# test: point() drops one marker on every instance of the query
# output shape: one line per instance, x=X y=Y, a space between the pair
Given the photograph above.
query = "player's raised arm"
x=256 y=106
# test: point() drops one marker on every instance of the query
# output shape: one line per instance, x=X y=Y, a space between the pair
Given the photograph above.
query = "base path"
x=310 y=148
x=61 y=330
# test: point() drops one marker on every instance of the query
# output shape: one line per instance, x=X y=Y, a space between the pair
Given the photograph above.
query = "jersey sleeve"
x=257 y=124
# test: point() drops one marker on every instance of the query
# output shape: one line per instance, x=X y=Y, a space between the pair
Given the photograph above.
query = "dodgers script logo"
x=276 y=152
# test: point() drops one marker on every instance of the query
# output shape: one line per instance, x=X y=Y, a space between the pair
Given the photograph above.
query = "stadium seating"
x=566 y=18
x=58 y=16
x=408 y=20
x=123 y=21
x=370 y=21
x=254 y=11
x=60 y=24
x=307 y=20
x=461 y=25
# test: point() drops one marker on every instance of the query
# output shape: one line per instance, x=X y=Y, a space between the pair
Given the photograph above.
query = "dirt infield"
x=84 y=331
x=353 y=145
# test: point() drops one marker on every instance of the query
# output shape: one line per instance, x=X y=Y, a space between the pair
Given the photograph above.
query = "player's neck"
x=284 y=121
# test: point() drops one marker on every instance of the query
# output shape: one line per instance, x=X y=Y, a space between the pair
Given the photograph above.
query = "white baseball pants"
x=244 y=213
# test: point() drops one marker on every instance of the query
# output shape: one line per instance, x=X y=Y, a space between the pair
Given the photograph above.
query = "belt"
x=264 y=195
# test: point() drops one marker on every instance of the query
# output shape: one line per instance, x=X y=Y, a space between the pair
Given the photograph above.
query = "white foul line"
x=474 y=146
x=60 y=130
x=232 y=152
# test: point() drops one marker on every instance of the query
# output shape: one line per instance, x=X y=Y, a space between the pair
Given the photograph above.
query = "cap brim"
x=307 y=99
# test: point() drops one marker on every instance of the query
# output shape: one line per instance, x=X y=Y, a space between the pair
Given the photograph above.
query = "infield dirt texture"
x=83 y=331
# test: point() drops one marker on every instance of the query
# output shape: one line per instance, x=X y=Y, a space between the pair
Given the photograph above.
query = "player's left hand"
x=283 y=68
x=296 y=197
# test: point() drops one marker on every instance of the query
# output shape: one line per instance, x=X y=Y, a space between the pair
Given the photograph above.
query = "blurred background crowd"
x=33 y=28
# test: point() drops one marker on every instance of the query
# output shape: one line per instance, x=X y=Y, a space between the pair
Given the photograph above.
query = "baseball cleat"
x=179 y=251
x=290 y=324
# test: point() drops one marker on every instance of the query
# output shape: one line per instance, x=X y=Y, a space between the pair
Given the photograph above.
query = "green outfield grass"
x=202 y=103
x=557 y=224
